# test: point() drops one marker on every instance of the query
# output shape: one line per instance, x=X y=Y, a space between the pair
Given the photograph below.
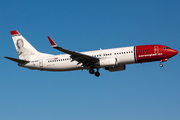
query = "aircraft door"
x=40 y=63
x=156 y=50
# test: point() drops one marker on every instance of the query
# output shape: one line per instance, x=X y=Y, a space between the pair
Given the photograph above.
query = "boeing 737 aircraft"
x=111 y=59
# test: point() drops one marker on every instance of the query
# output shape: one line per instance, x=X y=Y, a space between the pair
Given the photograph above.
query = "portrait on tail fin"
x=21 y=50
x=20 y=45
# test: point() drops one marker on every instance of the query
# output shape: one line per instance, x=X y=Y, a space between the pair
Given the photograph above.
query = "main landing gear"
x=97 y=74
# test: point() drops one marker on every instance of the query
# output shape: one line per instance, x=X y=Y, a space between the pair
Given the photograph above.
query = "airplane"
x=110 y=59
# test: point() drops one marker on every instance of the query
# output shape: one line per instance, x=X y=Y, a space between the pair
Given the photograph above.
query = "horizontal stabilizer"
x=17 y=60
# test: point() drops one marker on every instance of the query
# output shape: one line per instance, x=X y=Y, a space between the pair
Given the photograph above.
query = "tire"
x=161 y=65
x=91 y=71
x=97 y=74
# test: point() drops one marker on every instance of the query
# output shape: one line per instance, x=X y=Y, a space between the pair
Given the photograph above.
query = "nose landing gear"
x=161 y=65
x=163 y=60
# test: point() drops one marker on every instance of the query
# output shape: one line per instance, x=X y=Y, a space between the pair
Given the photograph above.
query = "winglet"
x=15 y=32
x=53 y=44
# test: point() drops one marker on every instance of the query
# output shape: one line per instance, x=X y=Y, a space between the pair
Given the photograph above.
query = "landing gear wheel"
x=91 y=71
x=97 y=74
x=161 y=65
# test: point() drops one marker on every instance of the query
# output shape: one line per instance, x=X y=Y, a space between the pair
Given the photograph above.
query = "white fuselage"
x=124 y=55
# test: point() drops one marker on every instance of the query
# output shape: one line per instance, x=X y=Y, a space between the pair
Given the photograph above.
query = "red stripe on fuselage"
x=147 y=53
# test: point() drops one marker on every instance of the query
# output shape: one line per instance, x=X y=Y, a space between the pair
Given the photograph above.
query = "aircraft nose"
x=174 y=52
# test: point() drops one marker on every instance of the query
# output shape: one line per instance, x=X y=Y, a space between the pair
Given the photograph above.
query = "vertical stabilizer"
x=24 y=49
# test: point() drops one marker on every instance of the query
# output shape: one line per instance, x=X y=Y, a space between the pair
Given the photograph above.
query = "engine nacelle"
x=105 y=62
x=116 y=68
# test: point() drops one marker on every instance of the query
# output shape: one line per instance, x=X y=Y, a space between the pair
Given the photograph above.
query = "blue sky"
x=142 y=91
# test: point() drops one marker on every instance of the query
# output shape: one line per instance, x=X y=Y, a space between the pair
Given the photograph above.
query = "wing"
x=17 y=60
x=79 y=57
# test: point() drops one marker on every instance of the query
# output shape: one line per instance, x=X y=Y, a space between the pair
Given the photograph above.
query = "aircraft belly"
x=63 y=66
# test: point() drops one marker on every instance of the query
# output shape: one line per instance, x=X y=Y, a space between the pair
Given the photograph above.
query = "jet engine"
x=105 y=62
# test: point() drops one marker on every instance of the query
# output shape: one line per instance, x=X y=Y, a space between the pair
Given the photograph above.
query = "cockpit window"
x=166 y=48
